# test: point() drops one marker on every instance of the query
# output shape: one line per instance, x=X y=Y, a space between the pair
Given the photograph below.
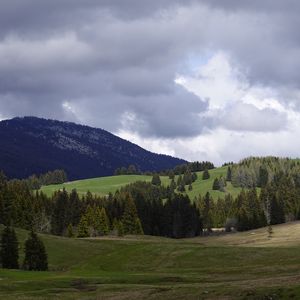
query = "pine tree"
x=102 y=222
x=229 y=174
x=9 y=249
x=36 y=258
x=83 y=228
x=173 y=185
x=156 y=180
x=216 y=184
x=205 y=175
x=70 y=232
x=130 y=219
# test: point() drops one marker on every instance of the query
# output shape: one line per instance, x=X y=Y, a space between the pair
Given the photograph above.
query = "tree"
x=102 y=222
x=70 y=232
x=205 y=175
x=173 y=185
x=216 y=184
x=130 y=220
x=263 y=176
x=59 y=220
x=36 y=258
x=9 y=254
x=156 y=180
x=83 y=228
x=229 y=174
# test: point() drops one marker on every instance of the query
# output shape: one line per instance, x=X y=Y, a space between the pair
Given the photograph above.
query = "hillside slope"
x=158 y=268
x=32 y=145
x=103 y=185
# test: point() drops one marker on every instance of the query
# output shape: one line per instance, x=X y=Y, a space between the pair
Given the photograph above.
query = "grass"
x=235 y=266
x=101 y=185
x=104 y=185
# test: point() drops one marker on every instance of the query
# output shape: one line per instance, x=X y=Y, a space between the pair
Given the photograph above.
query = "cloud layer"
x=180 y=77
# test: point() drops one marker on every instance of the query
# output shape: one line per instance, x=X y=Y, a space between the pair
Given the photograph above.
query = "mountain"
x=33 y=145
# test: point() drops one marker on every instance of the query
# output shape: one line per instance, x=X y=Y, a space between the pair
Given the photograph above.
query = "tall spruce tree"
x=130 y=220
x=83 y=228
x=216 y=184
x=36 y=258
x=205 y=175
x=9 y=254
x=156 y=179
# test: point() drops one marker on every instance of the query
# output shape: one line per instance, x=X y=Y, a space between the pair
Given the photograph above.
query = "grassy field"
x=235 y=266
x=103 y=185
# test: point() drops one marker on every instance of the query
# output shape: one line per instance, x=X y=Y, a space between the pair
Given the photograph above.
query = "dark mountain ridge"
x=32 y=145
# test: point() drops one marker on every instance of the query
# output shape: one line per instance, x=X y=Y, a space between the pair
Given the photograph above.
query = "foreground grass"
x=159 y=268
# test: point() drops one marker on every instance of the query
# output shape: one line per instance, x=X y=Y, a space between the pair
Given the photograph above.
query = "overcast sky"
x=202 y=80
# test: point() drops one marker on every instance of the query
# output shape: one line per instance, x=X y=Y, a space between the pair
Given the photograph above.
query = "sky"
x=201 y=80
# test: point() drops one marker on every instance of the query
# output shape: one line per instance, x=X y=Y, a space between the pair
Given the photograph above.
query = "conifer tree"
x=9 y=249
x=205 y=175
x=229 y=174
x=156 y=179
x=130 y=219
x=36 y=258
x=102 y=222
x=173 y=185
x=70 y=232
x=83 y=228
x=216 y=184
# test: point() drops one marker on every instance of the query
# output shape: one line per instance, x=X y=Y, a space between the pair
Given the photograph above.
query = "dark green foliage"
x=36 y=258
x=263 y=176
x=156 y=180
x=228 y=175
x=131 y=170
x=205 y=175
x=216 y=184
x=130 y=219
x=181 y=188
x=70 y=232
x=59 y=221
x=9 y=254
x=182 y=219
x=83 y=228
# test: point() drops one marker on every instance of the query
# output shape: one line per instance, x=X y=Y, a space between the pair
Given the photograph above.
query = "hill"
x=160 y=268
x=32 y=145
x=103 y=185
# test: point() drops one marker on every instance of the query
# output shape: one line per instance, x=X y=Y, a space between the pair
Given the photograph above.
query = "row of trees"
x=178 y=170
x=35 y=258
x=258 y=172
x=277 y=202
x=35 y=182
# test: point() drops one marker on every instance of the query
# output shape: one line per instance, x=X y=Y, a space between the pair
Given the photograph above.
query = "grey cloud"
x=108 y=58
x=246 y=117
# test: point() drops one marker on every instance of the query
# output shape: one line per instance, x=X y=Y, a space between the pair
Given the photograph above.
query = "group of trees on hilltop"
x=149 y=208
x=35 y=258
x=154 y=209
x=131 y=170
x=34 y=182
x=258 y=172
x=276 y=203
x=178 y=170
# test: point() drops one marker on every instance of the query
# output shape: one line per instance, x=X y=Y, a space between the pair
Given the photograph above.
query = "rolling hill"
x=103 y=185
x=160 y=268
x=32 y=145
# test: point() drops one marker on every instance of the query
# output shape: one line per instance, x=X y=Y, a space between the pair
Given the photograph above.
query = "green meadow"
x=104 y=185
x=246 y=265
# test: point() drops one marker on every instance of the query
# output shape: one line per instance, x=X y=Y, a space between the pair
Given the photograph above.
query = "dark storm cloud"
x=112 y=64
